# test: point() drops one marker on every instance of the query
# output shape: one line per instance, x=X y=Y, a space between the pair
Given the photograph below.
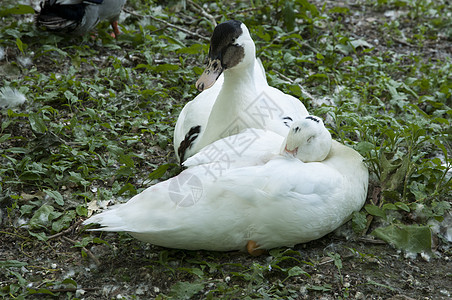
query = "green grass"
x=99 y=117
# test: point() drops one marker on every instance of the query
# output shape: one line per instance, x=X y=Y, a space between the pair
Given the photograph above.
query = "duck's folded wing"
x=249 y=148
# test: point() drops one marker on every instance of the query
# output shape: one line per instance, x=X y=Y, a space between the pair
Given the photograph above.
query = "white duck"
x=227 y=201
x=78 y=16
x=240 y=98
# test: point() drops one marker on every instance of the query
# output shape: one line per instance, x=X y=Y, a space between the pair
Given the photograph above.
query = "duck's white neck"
x=237 y=92
x=236 y=78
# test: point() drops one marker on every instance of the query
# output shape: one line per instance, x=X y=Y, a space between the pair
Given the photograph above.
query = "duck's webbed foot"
x=253 y=250
x=116 y=31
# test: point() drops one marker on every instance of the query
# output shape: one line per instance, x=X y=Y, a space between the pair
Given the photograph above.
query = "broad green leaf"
x=337 y=260
x=193 y=49
x=70 y=97
x=322 y=288
x=387 y=206
x=360 y=43
x=56 y=196
x=338 y=10
x=165 y=68
x=359 y=221
x=343 y=60
x=402 y=206
x=97 y=240
x=45 y=214
x=296 y=271
x=185 y=290
x=375 y=211
x=81 y=210
x=37 y=123
x=64 y=221
x=128 y=187
x=40 y=291
x=159 y=172
x=39 y=235
x=17 y=150
x=411 y=238
x=19 y=9
x=4 y=137
x=364 y=147
x=31 y=175
x=26 y=209
x=20 y=45
x=69 y=281
x=289 y=15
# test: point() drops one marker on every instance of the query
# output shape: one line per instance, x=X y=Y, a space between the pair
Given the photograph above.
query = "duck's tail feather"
x=108 y=221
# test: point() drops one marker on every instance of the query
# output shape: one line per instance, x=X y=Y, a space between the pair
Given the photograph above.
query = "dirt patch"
x=334 y=267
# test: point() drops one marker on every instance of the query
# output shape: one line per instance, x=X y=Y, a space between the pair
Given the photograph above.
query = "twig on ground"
x=90 y=254
x=168 y=24
x=203 y=12
x=67 y=230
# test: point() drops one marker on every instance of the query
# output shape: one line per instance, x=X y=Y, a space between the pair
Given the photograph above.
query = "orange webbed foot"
x=253 y=250
x=116 y=31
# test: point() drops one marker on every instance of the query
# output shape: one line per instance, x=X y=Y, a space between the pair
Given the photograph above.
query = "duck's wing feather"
x=248 y=148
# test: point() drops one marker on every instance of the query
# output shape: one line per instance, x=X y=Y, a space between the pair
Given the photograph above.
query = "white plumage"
x=265 y=195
